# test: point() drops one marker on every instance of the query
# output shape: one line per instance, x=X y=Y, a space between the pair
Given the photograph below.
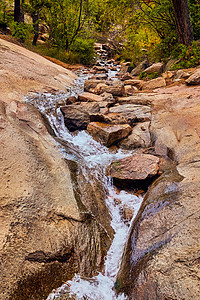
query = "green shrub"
x=189 y=56
x=84 y=49
x=144 y=75
x=21 y=31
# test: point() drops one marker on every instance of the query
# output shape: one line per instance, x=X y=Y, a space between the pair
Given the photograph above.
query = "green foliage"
x=20 y=31
x=144 y=75
x=194 y=7
x=84 y=49
x=188 y=56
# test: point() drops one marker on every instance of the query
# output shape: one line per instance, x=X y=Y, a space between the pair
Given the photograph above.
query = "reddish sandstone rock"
x=89 y=97
x=135 y=167
x=154 y=83
x=108 y=134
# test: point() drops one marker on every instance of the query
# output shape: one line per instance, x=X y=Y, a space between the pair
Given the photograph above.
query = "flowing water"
x=82 y=148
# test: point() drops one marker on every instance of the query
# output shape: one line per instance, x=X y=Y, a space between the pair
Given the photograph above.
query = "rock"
x=132 y=112
x=155 y=68
x=168 y=74
x=140 y=137
x=141 y=67
x=180 y=74
x=99 y=69
x=135 y=167
x=108 y=97
x=170 y=63
x=99 y=89
x=109 y=118
x=117 y=89
x=99 y=77
x=77 y=117
x=91 y=84
x=126 y=76
x=126 y=67
x=127 y=213
x=139 y=99
x=194 y=79
x=71 y=100
x=138 y=83
x=154 y=83
x=108 y=134
x=89 y=97
x=161 y=258
x=50 y=213
x=130 y=89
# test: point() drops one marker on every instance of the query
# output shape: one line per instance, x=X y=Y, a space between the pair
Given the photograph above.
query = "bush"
x=84 y=49
x=21 y=31
x=189 y=56
x=144 y=75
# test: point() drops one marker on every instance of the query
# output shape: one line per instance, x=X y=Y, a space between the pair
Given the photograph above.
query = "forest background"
x=132 y=29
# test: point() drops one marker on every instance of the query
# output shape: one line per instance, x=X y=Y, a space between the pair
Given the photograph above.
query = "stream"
x=82 y=148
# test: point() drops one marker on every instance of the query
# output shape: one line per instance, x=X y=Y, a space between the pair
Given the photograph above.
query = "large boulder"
x=135 y=82
x=161 y=258
x=108 y=134
x=52 y=225
x=155 y=68
x=135 y=167
x=154 y=84
x=194 y=79
x=91 y=84
x=133 y=113
x=77 y=117
x=141 y=67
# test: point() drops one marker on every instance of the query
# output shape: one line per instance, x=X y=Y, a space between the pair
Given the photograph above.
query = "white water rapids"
x=91 y=153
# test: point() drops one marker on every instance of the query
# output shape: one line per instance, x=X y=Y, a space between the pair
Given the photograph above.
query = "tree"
x=17 y=11
x=183 y=22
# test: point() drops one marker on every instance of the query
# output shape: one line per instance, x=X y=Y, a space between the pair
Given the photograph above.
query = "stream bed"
x=82 y=148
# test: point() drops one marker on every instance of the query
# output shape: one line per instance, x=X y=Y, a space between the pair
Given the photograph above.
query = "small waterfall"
x=86 y=151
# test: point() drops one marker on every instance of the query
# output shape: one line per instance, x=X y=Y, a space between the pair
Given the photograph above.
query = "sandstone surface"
x=161 y=259
x=108 y=134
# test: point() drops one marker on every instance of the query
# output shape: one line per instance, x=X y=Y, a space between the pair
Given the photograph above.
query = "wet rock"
x=71 y=100
x=91 y=84
x=194 y=79
x=154 y=83
x=141 y=67
x=132 y=112
x=108 y=134
x=155 y=68
x=77 y=117
x=99 y=77
x=135 y=167
x=140 y=137
x=99 y=69
x=48 y=210
x=89 y=97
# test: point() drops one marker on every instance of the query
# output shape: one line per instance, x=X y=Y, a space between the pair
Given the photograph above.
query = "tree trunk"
x=17 y=14
x=183 y=22
x=35 y=18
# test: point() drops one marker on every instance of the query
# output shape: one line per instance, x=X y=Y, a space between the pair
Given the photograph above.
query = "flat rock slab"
x=135 y=167
x=89 y=97
x=108 y=134
x=132 y=112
